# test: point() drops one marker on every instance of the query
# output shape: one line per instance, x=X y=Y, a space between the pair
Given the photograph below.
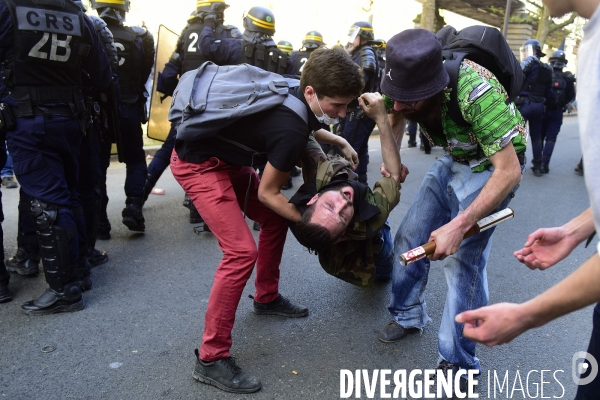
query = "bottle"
x=389 y=103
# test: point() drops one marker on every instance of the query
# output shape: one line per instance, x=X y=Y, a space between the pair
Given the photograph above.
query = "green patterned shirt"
x=494 y=124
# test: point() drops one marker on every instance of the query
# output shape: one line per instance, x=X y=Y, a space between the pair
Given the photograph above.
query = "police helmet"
x=313 y=40
x=531 y=47
x=260 y=19
x=558 y=59
x=362 y=29
x=122 y=5
x=379 y=43
x=285 y=46
x=211 y=6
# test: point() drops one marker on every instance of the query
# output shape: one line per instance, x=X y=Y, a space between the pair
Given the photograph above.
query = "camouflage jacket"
x=353 y=260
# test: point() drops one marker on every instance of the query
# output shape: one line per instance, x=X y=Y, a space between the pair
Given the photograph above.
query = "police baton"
x=429 y=248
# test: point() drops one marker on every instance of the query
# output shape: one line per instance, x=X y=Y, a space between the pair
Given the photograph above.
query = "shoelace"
x=231 y=366
x=445 y=366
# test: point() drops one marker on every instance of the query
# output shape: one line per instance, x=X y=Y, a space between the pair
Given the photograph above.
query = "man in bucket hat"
x=477 y=176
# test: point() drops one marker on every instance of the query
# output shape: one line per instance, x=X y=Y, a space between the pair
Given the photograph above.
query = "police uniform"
x=258 y=47
x=530 y=101
x=357 y=127
x=45 y=53
x=135 y=49
x=313 y=40
x=563 y=92
x=189 y=55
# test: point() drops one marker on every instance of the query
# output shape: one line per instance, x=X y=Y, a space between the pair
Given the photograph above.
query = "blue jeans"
x=447 y=189
x=385 y=258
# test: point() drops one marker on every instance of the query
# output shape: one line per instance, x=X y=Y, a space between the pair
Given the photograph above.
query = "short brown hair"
x=313 y=236
x=332 y=73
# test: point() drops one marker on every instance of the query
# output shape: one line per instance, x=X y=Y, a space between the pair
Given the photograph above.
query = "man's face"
x=334 y=209
x=417 y=111
x=334 y=107
x=558 y=8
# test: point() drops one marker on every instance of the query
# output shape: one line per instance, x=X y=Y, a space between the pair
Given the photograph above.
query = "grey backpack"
x=212 y=97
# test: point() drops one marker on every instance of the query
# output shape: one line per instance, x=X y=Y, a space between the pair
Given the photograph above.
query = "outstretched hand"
x=493 y=325
x=545 y=247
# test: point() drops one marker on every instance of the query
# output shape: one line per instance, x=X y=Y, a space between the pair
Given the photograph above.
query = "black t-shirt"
x=279 y=135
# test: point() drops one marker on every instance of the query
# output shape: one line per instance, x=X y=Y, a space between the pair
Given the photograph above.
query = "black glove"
x=211 y=19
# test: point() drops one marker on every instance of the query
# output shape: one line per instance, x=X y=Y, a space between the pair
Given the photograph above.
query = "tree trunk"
x=428 y=15
x=543 y=27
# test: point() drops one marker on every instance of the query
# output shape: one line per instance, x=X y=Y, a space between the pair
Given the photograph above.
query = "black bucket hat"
x=414 y=69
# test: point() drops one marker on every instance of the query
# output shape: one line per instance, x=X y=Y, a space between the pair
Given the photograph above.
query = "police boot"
x=92 y=223
x=195 y=217
x=96 y=257
x=4 y=293
x=288 y=184
x=545 y=169
x=186 y=201
x=24 y=263
x=64 y=292
x=149 y=185
x=132 y=214
x=82 y=271
x=103 y=230
x=579 y=168
x=69 y=299
x=537 y=169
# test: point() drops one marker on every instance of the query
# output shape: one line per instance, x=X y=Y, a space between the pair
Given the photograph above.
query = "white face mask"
x=325 y=119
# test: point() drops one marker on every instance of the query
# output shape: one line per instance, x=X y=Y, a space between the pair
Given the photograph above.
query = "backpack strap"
x=297 y=106
x=452 y=63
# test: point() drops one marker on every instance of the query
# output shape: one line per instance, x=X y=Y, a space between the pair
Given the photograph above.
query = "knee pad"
x=53 y=243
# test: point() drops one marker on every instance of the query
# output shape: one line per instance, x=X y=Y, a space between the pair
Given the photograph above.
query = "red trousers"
x=218 y=190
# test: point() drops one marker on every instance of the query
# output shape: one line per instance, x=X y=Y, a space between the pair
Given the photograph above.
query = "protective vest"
x=300 y=58
x=192 y=57
x=537 y=86
x=365 y=57
x=130 y=63
x=264 y=55
x=559 y=93
x=49 y=45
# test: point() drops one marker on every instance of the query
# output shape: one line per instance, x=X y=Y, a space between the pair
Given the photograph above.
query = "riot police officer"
x=379 y=46
x=285 y=46
x=135 y=49
x=357 y=127
x=44 y=55
x=313 y=40
x=563 y=92
x=100 y=133
x=258 y=47
x=187 y=56
x=530 y=101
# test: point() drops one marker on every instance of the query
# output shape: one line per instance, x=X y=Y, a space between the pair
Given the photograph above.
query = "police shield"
x=158 y=124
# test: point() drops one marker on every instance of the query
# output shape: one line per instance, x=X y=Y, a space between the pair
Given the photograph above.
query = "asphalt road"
x=144 y=317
